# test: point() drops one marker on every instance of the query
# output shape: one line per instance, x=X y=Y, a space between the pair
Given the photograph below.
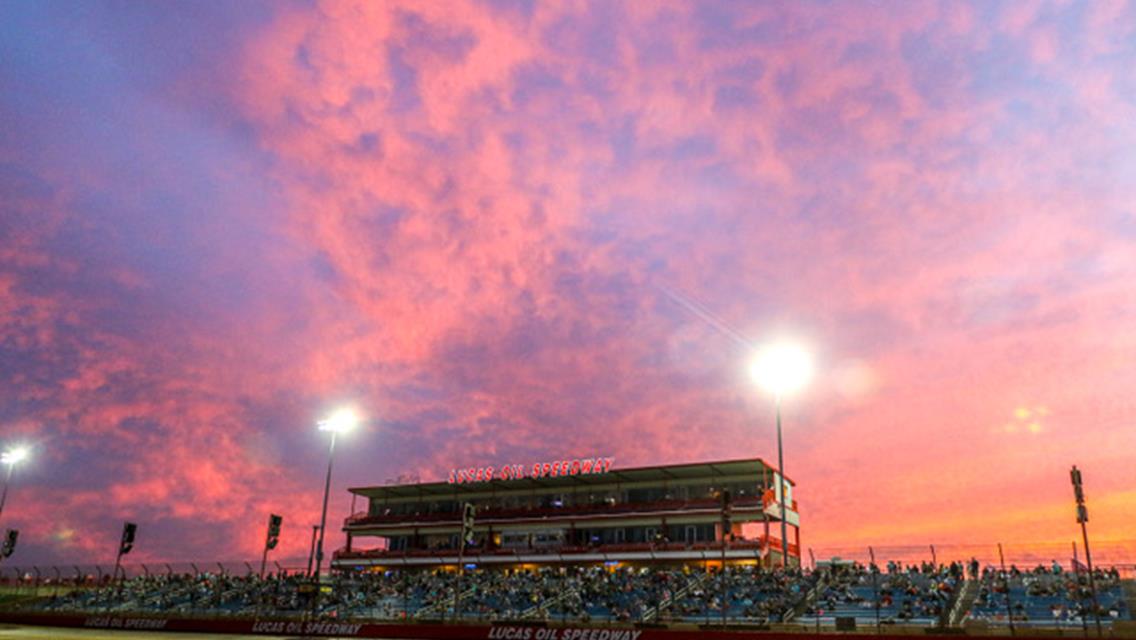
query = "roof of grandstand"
x=722 y=468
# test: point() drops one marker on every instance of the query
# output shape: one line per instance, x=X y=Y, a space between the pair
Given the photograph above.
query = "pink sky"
x=479 y=223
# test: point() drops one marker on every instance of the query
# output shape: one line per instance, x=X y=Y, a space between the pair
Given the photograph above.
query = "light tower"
x=780 y=369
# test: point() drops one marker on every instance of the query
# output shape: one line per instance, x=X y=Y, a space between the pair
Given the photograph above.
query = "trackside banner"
x=125 y=625
x=542 y=633
x=301 y=627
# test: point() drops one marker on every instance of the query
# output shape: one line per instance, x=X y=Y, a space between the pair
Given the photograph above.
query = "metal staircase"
x=538 y=611
x=652 y=614
x=809 y=601
x=962 y=603
x=439 y=607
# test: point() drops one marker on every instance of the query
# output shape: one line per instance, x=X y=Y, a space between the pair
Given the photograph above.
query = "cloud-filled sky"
x=513 y=231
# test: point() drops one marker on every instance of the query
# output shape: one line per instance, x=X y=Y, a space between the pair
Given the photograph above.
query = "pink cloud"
x=461 y=219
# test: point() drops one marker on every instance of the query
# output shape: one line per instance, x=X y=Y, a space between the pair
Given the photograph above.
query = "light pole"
x=11 y=457
x=341 y=421
x=312 y=549
x=781 y=369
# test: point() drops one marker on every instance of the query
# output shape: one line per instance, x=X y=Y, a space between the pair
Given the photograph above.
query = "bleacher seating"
x=913 y=595
x=1048 y=596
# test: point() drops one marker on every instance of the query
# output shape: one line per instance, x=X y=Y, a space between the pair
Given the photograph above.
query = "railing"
x=567 y=550
x=30 y=579
x=363 y=519
x=1118 y=554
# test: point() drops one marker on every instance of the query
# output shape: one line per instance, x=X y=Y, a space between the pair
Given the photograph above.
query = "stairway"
x=962 y=603
x=538 y=610
x=1129 y=587
x=808 y=601
x=652 y=614
x=440 y=607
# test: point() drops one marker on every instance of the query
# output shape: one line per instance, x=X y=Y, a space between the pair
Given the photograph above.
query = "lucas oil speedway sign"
x=541 y=633
x=573 y=467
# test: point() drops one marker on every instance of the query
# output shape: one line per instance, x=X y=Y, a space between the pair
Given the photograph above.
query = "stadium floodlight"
x=782 y=368
x=11 y=457
x=342 y=421
x=14 y=456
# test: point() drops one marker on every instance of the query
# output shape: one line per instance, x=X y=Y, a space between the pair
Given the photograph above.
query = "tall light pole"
x=341 y=421
x=11 y=457
x=781 y=369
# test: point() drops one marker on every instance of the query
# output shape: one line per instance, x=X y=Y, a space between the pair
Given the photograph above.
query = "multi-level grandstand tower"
x=577 y=511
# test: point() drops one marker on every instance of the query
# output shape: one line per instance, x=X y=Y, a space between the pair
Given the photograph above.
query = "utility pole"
x=271 y=539
x=469 y=512
x=312 y=552
x=726 y=512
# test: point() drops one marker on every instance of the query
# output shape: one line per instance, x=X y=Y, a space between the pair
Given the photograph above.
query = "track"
x=11 y=631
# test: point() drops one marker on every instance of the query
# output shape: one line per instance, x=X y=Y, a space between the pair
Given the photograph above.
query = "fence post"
x=875 y=584
x=406 y=596
x=1006 y=577
x=1080 y=591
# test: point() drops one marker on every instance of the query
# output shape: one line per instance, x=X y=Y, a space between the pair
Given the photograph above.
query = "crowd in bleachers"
x=1048 y=595
x=913 y=594
x=622 y=594
x=214 y=594
x=892 y=594
x=745 y=593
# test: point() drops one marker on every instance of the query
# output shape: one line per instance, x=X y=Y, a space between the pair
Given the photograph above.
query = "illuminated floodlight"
x=14 y=456
x=782 y=368
x=341 y=421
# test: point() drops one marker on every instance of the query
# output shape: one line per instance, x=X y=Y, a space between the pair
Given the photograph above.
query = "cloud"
x=460 y=218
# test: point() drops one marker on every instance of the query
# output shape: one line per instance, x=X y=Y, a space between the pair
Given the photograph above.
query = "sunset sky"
x=510 y=231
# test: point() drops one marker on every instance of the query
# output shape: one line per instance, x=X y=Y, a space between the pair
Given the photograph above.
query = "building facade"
x=577 y=511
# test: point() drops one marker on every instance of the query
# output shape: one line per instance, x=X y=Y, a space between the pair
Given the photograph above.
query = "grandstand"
x=653 y=548
x=676 y=513
x=834 y=595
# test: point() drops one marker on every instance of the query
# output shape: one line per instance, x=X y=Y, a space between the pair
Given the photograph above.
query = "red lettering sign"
x=555 y=469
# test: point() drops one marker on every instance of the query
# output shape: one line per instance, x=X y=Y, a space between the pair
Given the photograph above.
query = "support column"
x=797 y=542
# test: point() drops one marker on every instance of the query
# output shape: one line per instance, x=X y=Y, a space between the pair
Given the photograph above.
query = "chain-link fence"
x=30 y=579
x=1119 y=554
